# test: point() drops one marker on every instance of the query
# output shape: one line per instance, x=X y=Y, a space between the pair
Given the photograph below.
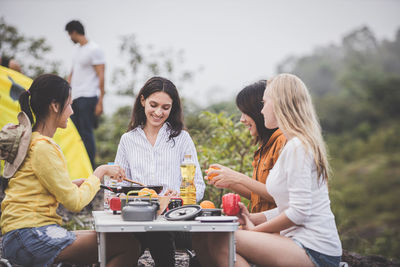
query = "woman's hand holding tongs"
x=114 y=171
x=171 y=193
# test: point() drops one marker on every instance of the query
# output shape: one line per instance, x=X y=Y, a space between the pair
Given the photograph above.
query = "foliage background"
x=356 y=91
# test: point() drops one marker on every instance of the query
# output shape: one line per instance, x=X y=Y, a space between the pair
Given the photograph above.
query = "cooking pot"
x=138 y=210
x=127 y=199
x=190 y=212
x=183 y=213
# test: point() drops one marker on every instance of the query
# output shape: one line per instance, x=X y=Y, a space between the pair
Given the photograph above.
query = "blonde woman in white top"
x=298 y=184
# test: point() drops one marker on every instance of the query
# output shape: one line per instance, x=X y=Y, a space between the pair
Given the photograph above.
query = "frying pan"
x=126 y=189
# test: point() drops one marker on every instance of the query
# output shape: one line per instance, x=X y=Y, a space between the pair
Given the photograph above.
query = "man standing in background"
x=87 y=83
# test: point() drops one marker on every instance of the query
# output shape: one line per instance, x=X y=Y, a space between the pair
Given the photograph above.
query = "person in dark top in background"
x=10 y=63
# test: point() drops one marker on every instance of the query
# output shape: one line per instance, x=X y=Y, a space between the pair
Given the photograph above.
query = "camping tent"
x=12 y=83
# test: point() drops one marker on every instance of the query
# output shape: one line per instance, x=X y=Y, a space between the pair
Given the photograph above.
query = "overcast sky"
x=235 y=42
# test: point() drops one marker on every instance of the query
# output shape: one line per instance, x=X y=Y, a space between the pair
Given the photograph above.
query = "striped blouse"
x=158 y=164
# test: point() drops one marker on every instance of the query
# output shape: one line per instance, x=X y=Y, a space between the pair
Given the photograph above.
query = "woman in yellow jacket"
x=32 y=235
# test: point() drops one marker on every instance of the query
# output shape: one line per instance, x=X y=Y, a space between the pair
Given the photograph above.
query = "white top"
x=158 y=164
x=84 y=80
x=293 y=184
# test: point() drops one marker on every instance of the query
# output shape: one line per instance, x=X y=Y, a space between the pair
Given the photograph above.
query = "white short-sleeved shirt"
x=84 y=80
x=297 y=192
x=158 y=164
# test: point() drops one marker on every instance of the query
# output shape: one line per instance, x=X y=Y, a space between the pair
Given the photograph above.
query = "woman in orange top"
x=249 y=101
x=264 y=159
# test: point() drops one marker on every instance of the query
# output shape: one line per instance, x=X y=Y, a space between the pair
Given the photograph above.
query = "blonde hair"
x=296 y=117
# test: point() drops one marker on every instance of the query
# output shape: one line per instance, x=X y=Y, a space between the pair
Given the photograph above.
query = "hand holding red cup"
x=230 y=203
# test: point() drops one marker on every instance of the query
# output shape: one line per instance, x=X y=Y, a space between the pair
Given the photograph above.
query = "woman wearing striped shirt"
x=152 y=150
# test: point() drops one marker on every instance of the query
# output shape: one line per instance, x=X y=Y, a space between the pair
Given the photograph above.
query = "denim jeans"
x=320 y=259
x=37 y=246
x=85 y=120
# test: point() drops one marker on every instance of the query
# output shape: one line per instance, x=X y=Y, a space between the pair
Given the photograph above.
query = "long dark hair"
x=45 y=89
x=249 y=101
x=153 y=85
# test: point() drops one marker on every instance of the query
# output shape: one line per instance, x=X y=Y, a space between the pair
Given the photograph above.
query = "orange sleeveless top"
x=264 y=159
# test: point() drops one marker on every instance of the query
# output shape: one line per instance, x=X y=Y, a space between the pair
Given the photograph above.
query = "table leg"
x=232 y=249
x=102 y=249
x=98 y=247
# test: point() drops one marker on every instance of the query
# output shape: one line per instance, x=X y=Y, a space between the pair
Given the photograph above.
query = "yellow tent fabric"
x=12 y=83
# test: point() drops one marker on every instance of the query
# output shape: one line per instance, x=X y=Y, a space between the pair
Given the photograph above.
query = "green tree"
x=224 y=140
x=31 y=53
x=109 y=132
x=141 y=62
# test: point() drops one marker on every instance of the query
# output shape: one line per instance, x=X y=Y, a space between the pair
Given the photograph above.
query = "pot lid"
x=183 y=213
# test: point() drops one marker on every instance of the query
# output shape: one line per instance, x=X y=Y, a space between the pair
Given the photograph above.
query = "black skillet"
x=126 y=189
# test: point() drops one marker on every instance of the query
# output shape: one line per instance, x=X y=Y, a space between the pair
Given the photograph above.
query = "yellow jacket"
x=40 y=184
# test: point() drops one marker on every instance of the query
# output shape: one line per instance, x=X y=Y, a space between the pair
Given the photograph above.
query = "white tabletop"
x=106 y=221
